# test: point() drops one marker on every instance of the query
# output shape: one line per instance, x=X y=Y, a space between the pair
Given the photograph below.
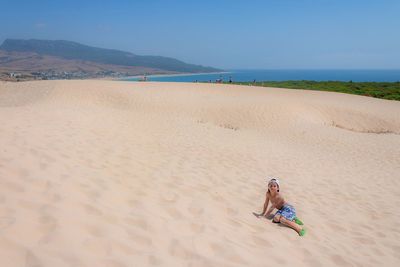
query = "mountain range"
x=46 y=55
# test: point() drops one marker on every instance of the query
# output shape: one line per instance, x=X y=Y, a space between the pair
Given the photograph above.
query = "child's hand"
x=257 y=215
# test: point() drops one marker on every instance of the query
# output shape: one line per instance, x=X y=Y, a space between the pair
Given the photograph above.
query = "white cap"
x=273 y=180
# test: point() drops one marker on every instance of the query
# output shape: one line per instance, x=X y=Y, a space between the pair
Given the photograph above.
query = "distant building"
x=15 y=75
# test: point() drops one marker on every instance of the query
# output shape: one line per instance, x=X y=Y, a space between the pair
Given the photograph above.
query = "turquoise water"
x=283 y=75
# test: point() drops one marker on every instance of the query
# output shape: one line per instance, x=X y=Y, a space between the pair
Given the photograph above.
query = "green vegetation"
x=385 y=90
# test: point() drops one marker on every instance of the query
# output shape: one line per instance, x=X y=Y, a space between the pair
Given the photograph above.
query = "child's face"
x=273 y=187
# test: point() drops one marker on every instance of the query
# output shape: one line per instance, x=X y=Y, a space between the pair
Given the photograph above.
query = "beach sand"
x=118 y=174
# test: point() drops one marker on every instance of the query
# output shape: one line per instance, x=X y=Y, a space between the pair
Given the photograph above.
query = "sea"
x=280 y=75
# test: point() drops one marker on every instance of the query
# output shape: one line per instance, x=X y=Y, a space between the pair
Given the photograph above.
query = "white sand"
x=102 y=173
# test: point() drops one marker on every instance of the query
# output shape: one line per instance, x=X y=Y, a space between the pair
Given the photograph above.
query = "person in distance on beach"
x=286 y=213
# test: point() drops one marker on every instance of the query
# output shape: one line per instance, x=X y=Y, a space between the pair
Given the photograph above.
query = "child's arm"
x=265 y=205
x=270 y=210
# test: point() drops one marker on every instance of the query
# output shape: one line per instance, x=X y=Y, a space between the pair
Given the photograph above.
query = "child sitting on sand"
x=286 y=213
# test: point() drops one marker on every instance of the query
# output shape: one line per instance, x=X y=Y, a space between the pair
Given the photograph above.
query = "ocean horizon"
x=280 y=75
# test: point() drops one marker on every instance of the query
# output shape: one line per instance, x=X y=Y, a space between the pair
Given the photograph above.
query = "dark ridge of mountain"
x=76 y=51
x=28 y=62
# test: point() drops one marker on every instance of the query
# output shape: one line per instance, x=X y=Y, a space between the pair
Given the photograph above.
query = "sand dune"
x=103 y=173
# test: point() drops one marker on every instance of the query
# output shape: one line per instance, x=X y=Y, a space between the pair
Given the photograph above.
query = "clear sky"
x=267 y=34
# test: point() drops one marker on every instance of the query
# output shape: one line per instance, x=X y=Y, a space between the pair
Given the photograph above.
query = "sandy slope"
x=99 y=173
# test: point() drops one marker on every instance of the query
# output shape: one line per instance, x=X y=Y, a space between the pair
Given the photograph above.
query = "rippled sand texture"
x=118 y=174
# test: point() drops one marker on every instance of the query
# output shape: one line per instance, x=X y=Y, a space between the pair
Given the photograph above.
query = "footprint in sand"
x=234 y=223
x=336 y=227
x=95 y=231
x=153 y=260
x=92 y=210
x=23 y=173
x=6 y=222
x=339 y=261
x=15 y=187
x=196 y=209
x=378 y=252
x=111 y=219
x=169 y=197
x=139 y=239
x=138 y=222
x=176 y=250
x=364 y=240
x=28 y=204
x=262 y=242
x=257 y=229
x=218 y=198
x=135 y=204
x=231 y=211
x=99 y=246
x=219 y=249
x=197 y=227
x=48 y=225
x=114 y=263
x=33 y=151
x=43 y=166
x=174 y=213
x=31 y=259
x=65 y=176
x=227 y=253
x=123 y=247
x=93 y=194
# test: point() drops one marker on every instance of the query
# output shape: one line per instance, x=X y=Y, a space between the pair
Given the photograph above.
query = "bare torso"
x=277 y=200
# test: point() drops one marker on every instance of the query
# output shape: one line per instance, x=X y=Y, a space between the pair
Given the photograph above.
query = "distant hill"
x=74 y=51
x=27 y=63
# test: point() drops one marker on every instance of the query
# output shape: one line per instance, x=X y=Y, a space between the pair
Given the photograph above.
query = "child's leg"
x=298 y=221
x=276 y=218
x=291 y=224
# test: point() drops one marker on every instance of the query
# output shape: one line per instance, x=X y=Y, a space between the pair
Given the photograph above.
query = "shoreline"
x=173 y=75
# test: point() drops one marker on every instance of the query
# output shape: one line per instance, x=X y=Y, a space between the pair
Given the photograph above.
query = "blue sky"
x=269 y=34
